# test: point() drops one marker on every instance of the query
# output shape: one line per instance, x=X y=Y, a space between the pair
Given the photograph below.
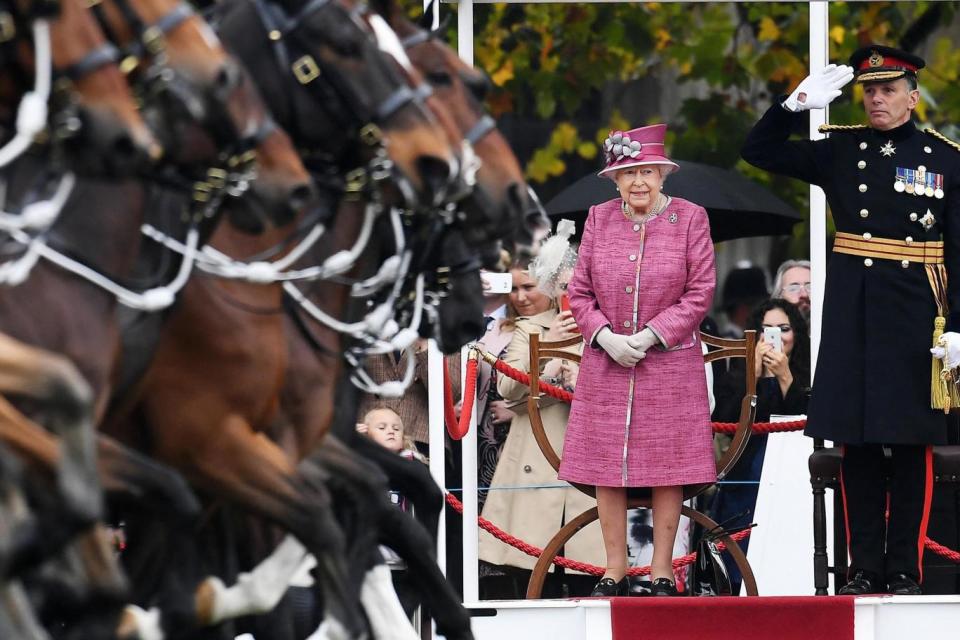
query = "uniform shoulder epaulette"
x=942 y=138
x=827 y=128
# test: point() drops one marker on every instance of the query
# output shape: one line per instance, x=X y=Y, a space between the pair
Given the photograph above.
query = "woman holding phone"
x=783 y=384
x=525 y=497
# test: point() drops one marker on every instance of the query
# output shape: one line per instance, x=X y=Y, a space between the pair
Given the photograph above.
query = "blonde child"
x=385 y=427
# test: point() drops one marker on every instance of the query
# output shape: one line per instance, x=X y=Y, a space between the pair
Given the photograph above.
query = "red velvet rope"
x=566 y=396
x=458 y=429
x=567 y=563
x=718 y=427
x=682 y=561
x=523 y=378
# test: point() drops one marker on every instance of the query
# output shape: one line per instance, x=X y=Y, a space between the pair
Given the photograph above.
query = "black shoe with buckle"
x=863 y=583
x=607 y=588
x=901 y=584
x=664 y=587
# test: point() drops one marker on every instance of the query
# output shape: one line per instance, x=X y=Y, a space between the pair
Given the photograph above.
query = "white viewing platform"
x=739 y=618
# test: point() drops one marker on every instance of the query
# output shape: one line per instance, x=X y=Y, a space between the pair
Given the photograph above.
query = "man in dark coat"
x=894 y=192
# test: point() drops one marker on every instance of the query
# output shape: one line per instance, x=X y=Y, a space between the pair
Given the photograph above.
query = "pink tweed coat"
x=648 y=425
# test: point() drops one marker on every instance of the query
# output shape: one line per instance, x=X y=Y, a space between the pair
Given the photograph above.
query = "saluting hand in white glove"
x=619 y=348
x=819 y=89
x=948 y=349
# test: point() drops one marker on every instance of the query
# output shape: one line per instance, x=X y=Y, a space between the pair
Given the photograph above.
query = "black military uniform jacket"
x=872 y=382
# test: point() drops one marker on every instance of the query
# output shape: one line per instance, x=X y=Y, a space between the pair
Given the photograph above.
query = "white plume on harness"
x=32 y=112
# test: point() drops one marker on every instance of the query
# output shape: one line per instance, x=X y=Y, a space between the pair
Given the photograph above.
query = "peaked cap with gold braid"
x=877 y=63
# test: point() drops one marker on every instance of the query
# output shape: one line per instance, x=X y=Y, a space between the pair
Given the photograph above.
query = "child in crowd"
x=385 y=427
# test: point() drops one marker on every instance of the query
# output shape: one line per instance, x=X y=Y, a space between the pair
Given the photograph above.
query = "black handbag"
x=709 y=575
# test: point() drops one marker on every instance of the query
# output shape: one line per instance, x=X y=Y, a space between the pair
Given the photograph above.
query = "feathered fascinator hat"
x=555 y=257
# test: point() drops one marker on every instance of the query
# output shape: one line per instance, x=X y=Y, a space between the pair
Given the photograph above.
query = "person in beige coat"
x=535 y=514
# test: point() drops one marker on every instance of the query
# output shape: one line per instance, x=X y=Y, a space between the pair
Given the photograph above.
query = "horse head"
x=323 y=72
x=92 y=114
x=217 y=127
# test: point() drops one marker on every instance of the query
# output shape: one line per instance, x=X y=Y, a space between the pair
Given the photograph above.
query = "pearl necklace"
x=658 y=207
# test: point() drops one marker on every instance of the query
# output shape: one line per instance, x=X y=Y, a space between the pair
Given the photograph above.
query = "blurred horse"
x=99 y=229
x=316 y=367
x=109 y=127
x=230 y=331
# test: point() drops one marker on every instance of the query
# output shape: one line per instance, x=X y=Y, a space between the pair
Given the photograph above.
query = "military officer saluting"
x=894 y=192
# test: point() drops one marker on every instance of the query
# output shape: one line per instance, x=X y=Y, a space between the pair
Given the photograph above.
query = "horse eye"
x=439 y=78
x=478 y=84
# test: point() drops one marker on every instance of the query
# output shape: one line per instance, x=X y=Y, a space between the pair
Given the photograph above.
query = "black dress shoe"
x=862 y=583
x=607 y=588
x=664 y=587
x=900 y=584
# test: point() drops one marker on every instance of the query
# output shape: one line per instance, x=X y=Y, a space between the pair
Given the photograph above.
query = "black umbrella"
x=737 y=206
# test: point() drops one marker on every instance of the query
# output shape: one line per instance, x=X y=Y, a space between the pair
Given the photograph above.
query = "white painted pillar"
x=471 y=579
x=437 y=450
x=819 y=53
x=471 y=534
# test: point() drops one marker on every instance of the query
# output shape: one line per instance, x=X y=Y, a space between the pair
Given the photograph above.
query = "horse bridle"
x=146 y=52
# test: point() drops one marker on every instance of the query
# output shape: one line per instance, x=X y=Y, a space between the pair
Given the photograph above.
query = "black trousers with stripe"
x=879 y=543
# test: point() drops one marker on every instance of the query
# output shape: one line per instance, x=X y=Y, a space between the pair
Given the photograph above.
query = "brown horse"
x=111 y=135
x=81 y=53
x=316 y=366
x=232 y=331
x=32 y=311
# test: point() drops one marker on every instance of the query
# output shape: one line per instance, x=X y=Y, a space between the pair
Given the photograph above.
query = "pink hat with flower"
x=635 y=148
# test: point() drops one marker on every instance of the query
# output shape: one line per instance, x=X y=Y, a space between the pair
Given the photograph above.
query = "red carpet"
x=767 y=618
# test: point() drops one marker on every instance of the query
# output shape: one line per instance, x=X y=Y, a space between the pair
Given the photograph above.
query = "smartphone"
x=565 y=306
x=771 y=335
x=496 y=283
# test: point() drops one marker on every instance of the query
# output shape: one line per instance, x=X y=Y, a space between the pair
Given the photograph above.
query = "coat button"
x=867 y=262
x=927 y=150
x=867 y=236
x=863 y=145
x=636 y=227
x=904 y=263
x=864 y=213
x=862 y=164
x=626 y=323
x=863 y=188
x=909 y=239
x=633 y=258
x=527 y=468
x=628 y=289
x=913 y=217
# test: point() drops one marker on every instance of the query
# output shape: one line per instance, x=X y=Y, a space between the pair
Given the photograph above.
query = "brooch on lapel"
x=673 y=218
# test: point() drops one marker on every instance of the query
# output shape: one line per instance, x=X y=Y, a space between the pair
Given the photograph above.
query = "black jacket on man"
x=872 y=383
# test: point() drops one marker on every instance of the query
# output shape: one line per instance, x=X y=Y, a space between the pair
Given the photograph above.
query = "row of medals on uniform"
x=919 y=182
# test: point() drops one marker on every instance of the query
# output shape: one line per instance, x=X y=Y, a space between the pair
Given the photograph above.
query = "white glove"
x=619 y=348
x=644 y=339
x=948 y=349
x=819 y=88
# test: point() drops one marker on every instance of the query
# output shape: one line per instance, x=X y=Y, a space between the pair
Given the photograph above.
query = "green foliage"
x=562 y=63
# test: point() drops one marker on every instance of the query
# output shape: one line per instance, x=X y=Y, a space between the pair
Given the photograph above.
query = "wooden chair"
x=824 y=465
x=723 y=348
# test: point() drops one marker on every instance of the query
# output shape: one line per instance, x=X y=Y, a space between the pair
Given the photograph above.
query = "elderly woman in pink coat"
x=643 y=282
